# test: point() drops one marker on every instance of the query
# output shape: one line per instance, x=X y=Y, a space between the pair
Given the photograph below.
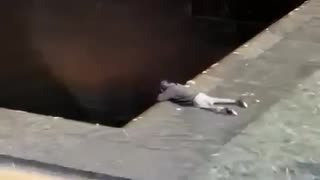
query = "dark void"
x=101 y=61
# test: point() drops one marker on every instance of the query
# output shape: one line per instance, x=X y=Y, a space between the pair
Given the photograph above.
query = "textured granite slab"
x=277 y=137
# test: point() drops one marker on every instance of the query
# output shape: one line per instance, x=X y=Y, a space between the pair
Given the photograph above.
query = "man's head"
x=165 y=84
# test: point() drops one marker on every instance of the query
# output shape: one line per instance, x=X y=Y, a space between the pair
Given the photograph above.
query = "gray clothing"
x=185 y=96
x=179 y=94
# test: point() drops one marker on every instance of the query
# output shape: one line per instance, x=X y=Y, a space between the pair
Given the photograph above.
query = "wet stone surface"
x=283 y=143
x=276 y=138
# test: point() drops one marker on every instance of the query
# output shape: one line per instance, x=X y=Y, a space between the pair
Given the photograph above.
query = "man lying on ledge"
x=184 y=96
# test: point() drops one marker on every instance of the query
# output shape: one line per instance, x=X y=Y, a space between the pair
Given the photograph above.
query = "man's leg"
x=222 y=110
x=226 y=101
x=206 y=102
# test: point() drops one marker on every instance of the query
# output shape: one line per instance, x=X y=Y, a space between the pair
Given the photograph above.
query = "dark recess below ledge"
x=31 y=84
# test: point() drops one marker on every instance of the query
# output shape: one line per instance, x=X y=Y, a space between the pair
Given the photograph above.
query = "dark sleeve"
x=165 y=96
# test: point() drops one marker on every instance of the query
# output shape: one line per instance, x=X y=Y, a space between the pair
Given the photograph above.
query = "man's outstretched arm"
x=164 y=96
